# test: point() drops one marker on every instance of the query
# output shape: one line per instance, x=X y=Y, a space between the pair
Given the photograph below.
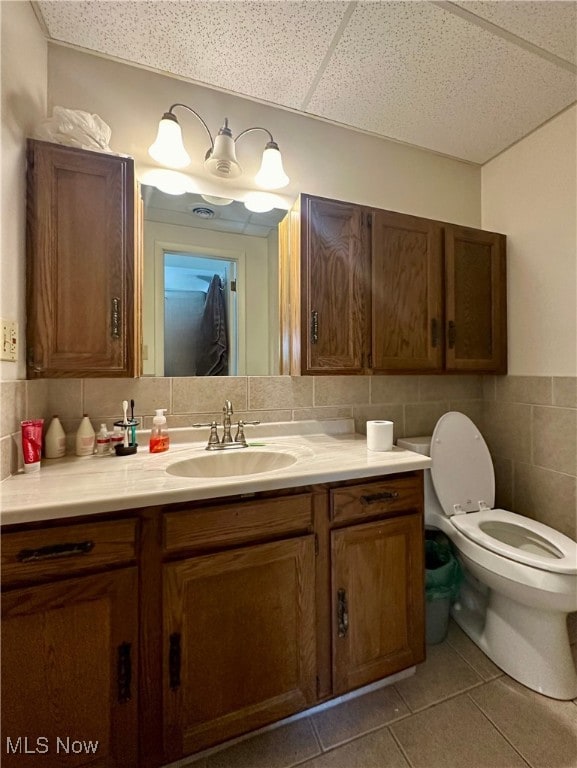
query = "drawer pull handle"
x=374 y=498
x=174 y=661
x=451 y=334
x=342 y=613
x=53 y=551
x=124 y=672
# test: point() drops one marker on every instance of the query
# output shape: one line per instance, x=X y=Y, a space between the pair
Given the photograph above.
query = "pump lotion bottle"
x=159 y=439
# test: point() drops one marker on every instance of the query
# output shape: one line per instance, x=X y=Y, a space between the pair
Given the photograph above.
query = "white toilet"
x=520 y=575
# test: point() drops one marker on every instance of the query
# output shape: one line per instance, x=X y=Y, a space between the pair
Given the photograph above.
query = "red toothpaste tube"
x=32 y=443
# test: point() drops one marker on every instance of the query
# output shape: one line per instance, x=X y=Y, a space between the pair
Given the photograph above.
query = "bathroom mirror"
x=206 y=259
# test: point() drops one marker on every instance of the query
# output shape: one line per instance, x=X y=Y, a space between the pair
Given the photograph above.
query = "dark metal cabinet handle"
x=451 y=334
x=434 y=332
x=124 y=672
x=374 y=498
x=314 y=326
x=53 y=551
x=115 y=318
x=342 y=613
x=174 y=661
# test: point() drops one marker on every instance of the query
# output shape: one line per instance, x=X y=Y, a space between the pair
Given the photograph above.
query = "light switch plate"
x=9 y=340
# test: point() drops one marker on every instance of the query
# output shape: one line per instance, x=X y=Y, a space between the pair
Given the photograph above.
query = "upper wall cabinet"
x=373 y=291
x=475 y=300
x=83 y=264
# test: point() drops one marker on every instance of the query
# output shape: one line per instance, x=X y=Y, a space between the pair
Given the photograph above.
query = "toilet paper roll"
x=380 y=435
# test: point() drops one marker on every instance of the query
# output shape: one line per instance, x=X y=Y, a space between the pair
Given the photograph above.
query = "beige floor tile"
x=357 y=716
x=472 y=654
x=278 y=748
x=454 y=734
x=443 y=674
x=375 y=750
x=543 y=730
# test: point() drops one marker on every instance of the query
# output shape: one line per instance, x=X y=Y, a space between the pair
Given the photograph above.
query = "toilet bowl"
x=520 y=575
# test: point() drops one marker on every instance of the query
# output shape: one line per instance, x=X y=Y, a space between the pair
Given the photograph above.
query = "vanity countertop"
x=69 y=487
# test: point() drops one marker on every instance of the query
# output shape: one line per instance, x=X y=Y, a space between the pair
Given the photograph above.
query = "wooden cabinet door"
x=239 y=642
x=378 y=600
x=69 y=673
x=476 y=296
x=407 y=324
x=81 y=271
x=335 y=292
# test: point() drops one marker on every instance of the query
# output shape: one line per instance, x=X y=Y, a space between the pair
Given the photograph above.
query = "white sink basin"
x=223 y=464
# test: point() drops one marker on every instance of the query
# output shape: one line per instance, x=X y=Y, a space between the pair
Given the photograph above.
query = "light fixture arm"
x=171 y=116
x=256 y=128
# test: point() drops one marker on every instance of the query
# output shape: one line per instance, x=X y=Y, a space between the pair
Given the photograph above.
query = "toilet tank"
x=422 y=444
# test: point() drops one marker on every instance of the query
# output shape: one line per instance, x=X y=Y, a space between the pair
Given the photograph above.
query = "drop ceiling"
x=465 y=79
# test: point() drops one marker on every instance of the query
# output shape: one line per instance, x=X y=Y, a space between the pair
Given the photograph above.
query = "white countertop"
x=325 y=451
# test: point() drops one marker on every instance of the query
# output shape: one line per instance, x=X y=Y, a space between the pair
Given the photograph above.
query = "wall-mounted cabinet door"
x=335 y=290
x=83 y=311
x=475 y=297
x=69 y=673
x=407 y=319
x=378 y=600
x=239 y=642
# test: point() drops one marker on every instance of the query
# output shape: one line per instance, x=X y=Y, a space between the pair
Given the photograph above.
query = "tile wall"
x=530 y=423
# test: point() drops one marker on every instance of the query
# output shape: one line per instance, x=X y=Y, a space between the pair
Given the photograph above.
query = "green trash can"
x=443 y=576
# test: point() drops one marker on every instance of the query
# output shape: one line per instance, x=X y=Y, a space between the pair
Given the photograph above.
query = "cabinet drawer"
x=66 y=550
x=376 y=498
x=237 y=522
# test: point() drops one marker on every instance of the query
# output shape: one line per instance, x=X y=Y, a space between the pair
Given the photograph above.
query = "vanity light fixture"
x=220 y=159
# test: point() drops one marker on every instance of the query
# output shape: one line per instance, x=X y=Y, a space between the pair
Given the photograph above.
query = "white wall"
x=24 y=73
x=530 y=193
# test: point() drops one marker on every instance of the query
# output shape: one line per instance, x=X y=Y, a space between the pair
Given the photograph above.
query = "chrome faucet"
x=214 y=444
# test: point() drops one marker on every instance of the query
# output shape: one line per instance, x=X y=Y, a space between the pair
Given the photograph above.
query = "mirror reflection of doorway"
x=187 y=286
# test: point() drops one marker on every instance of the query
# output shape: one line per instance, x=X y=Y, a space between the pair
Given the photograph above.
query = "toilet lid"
x=462 y=470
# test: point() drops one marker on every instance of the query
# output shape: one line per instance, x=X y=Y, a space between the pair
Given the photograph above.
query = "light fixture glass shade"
x=271 y=174
x=168 y=148
x=222 y=160
x=168 y=181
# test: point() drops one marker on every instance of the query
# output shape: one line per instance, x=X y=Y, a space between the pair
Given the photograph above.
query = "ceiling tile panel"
x=420 y=74
x=551 y=25
x=267 y=50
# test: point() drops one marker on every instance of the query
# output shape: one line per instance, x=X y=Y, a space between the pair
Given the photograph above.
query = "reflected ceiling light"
x=220 y=159
x=171 y=182
x=259 y=202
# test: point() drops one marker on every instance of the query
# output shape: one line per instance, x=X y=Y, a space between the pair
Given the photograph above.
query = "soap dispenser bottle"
x=159 y=439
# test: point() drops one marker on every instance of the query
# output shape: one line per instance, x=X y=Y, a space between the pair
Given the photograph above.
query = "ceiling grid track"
x=327 y=57
x=504 y=34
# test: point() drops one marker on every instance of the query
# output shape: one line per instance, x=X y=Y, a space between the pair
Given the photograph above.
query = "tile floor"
x=458 y=711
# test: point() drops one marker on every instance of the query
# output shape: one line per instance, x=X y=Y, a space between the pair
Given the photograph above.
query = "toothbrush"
x=125 y=419
x=133 y=428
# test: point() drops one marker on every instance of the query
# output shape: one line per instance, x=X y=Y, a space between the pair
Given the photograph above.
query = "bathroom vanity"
x=160 y=614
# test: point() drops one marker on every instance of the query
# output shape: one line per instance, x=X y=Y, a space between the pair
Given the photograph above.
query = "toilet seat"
x=520 y=538
x=464 y=481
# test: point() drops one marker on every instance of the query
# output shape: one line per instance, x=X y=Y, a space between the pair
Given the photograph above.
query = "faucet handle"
x=240 y=437
x=213 y=438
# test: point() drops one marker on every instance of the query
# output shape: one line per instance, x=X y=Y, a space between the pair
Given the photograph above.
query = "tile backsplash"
x=529 y=422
